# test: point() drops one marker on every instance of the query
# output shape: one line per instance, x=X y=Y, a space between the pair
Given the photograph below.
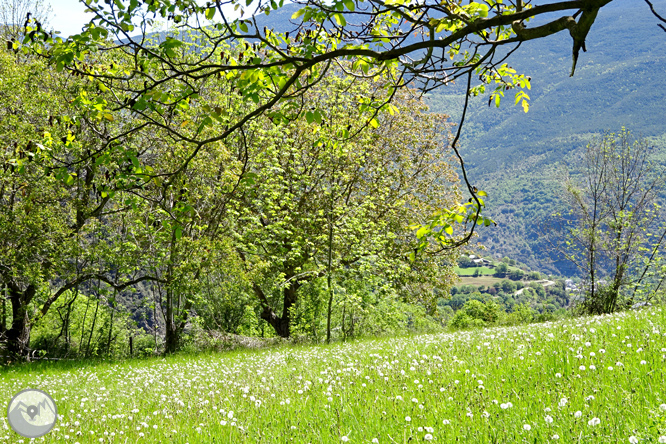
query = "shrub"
x=476 y=314
x=460 y=320
x=522 y=313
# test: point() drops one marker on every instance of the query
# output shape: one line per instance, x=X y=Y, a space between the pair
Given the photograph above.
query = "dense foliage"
x=282 y=228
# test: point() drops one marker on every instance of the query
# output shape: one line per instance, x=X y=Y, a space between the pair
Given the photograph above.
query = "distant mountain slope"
x=619 y=81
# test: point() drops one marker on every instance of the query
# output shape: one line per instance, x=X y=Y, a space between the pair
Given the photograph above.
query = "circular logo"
x=32 y=413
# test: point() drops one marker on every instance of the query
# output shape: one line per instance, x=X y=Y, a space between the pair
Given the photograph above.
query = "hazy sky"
x=68 y=16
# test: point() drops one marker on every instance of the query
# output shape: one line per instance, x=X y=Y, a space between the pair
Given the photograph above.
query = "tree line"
x=263 y=220
x=221 y=159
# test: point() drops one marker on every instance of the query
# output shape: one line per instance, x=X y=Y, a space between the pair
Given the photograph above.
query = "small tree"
x=501 y=270
x=464 y=261
x=614 y=230
x=516 y=275
x=14 y=13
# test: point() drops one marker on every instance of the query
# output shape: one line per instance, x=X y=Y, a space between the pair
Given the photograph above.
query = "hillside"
x=516 y=157
x=593 y=380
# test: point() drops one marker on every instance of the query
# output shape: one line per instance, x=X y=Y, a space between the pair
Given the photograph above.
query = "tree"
x=501 y=269
x=55 y=196
x=476 y=313
x=516 y=275
x=464 y=261
x=508 y=286
x=614 y=229
x=14 y=13
x=414 y=44
x=318 y=201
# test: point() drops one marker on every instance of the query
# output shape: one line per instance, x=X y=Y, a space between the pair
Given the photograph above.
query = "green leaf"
x=178 y=232
x=298 y=13
x=374 y=123
x=309 y=117
x=340 y=19
x=210 y=13
x=350 y=5
x=242 y=26
x=317 y=117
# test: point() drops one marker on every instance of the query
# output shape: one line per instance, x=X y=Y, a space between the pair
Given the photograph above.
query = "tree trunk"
x=175 y=326
x=113 y=310
x=92 y=328
x=329 y=309
x=3 y=323
x=170 y=335
x=18 y=336
x=170 y=339
x=281 y=324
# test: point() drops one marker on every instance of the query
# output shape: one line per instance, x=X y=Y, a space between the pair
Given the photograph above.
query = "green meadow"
x=595 y=380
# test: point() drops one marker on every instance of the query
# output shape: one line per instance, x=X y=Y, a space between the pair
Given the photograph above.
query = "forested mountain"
x=516 y=157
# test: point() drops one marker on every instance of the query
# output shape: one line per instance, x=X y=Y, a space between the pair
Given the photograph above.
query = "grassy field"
x=471 y=270
x=586 y=380
x=480 y=280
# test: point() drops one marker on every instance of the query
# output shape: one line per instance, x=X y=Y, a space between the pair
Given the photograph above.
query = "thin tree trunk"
x=113 y=310
x=3 y=326
x=92 y=328
x=344 y=332
x=83 y=325
x=170 y=334
x=328 y=280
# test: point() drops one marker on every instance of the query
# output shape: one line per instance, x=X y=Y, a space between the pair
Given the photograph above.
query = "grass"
x=471 y=270
x=480 y=280
x=588 y=380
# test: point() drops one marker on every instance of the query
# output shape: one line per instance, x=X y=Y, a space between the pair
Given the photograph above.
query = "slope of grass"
x=592 y=380
x=469 y=271
x=481 y=280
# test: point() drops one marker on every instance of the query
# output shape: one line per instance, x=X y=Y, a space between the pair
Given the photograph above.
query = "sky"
x=68 y=16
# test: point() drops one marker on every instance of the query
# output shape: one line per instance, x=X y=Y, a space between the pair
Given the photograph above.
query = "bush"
x=534 y=275
x=508 y=286
x=545 y=316
x=516 y=275
x=460 y=320
x=522 y=313
x=476 y=314
x=501 y=270
x=78 y=325
x=464 y=261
